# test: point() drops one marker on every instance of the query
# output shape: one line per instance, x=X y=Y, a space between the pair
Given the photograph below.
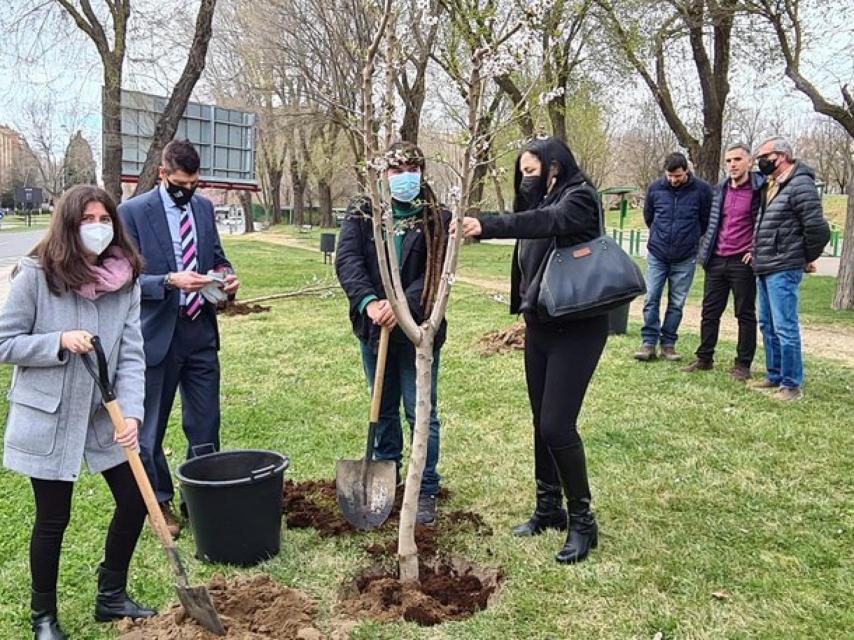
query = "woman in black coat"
x=554 y=201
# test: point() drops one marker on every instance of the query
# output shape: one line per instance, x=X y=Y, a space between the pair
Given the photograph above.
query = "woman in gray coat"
x=80 y=280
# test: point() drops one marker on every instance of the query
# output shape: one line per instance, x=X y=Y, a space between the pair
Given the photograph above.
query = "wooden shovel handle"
x=382 y=355
x=141 y=477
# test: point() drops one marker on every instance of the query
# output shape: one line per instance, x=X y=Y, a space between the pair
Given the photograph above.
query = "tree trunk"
x=112 y=114
x=248 y=214
x=557 y=115
x=274 y=195
x=499 y=194
x=406 y=548
x=167 y=123
x=844 y=298
x=298 y=188
x=324 y=195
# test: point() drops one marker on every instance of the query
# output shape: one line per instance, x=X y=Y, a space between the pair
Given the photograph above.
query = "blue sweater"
x=677 y=218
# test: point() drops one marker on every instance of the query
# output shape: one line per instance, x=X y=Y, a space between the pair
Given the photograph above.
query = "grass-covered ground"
x=723 y=514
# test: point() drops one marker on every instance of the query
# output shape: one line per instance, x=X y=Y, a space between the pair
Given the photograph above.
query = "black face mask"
x=767 y=166
x=531 y=190
x=180 y=195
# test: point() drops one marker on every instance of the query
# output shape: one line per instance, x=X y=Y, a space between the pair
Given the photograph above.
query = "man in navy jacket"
x=176 y=233
x=676 y=210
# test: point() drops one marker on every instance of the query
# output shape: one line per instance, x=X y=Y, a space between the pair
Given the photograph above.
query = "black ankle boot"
x=112 y=602
x=583 y=534
x=549 y=513
x=43 y=616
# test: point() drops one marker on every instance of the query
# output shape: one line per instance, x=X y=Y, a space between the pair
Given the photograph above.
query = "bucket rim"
x=280 y=467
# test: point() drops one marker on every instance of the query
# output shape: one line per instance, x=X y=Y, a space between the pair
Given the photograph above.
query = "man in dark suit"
x=176 y=233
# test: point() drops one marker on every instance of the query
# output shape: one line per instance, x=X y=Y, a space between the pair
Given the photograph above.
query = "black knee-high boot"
x=549 y=512
x=113 y=602
x=583 y=534
x=43 y=616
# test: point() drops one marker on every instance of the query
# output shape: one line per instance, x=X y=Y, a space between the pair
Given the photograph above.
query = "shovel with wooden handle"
x=365 y=488
x=195 y=600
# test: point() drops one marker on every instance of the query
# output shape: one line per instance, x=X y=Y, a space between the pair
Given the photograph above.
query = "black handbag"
x=588 y=279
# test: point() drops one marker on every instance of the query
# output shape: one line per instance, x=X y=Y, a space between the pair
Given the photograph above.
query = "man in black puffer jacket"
x=791 y=233
x=676 y=210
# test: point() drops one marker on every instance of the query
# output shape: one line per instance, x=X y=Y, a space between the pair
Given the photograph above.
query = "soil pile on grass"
x=250 y=607
x=509 y=339
x=240 y=309
x=449 y=589
x=313 y=504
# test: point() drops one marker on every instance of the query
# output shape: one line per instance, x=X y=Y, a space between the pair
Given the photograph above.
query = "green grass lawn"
x=701 y=486
x=835 y=209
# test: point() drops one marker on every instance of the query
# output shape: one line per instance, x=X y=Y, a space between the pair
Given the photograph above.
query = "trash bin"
x=618 y=320
x=327 y=245
x=234 y=501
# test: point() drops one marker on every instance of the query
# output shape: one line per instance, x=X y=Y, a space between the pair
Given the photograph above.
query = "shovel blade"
x=199 y=606
x=365 y=506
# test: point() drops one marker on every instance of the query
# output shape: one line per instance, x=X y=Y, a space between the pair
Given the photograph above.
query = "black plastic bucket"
x=234 y=500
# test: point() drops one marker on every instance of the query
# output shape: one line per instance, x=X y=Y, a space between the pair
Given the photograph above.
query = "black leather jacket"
x=570 y=217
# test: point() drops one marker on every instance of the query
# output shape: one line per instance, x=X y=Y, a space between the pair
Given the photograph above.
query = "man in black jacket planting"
x=790 y=235
x=725 y=255
x=676 y=210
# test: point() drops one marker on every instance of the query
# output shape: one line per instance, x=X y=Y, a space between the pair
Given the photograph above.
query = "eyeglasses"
x=765 y=156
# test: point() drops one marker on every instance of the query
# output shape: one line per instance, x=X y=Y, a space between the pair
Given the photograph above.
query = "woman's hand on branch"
x=471 y=228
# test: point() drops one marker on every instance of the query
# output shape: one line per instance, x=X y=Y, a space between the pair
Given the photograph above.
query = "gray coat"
x=55 y=413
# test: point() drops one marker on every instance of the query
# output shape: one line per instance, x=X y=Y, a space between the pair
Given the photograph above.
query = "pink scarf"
x=112 y=274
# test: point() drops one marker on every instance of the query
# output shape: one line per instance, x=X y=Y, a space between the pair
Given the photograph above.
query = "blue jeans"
x=399 y=384
x=678 y=276
x=779 y=296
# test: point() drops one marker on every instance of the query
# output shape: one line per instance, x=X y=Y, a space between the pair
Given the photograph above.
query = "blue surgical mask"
x=405 y=186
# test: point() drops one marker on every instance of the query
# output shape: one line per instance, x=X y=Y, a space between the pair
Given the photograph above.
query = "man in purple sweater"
x=725 y=255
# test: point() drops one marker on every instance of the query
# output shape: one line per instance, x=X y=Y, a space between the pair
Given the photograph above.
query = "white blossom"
x=546 y=98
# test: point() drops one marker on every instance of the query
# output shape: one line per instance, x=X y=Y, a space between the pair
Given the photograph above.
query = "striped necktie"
x=190 y=259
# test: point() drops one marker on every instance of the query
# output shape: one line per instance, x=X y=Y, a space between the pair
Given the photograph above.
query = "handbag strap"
x=600 y=210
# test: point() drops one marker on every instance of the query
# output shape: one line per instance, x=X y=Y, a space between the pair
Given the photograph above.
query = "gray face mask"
x=96 y=236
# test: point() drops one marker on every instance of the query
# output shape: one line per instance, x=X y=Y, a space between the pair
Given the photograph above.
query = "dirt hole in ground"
x=240 y=309
x=449 y=589
x=250 y=607
x=510 y=339
x=313 y=504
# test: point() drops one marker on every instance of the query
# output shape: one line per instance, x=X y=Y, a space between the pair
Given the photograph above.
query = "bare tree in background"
x=644 y=33
x=167 y=123
x=792 y=33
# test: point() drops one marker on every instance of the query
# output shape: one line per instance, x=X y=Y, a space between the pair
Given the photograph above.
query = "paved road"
x=13 y=245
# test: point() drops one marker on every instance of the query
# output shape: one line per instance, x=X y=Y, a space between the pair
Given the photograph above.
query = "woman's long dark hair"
x=551 y=152
x=61 y=252
x=435 y=233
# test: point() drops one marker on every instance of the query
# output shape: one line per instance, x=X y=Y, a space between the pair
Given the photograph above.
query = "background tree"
x=791 y=33
x=79 y=163
x=646 y=35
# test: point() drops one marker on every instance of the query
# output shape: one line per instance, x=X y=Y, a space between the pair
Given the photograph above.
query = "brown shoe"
x=646 y=353
x=698 y=365
x=764 y=385
x=788 y=393
x=740 y=372
x=172 y=524
x=669 y=353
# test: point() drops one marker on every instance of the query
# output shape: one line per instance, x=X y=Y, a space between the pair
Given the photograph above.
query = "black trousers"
x=725 y=274
x=559 y=363
x=192 y=363
x=53 y=513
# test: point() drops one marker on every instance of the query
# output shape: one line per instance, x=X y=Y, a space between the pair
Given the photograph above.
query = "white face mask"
x=96 y=236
